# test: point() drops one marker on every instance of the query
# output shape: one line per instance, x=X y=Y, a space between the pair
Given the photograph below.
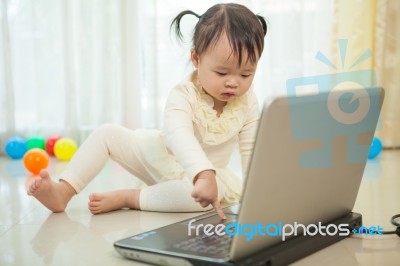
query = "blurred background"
x=68 y=66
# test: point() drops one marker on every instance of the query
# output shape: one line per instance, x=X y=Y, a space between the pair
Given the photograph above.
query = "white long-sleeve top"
x=198 y=138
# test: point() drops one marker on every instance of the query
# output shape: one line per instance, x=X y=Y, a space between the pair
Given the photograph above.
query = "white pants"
x=120 y=144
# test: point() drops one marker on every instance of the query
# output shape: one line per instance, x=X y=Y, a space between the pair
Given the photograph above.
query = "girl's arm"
x=179 y=133
x=180 y=138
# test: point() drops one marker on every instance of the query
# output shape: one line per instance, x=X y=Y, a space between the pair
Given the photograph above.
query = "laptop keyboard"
x=214 y=244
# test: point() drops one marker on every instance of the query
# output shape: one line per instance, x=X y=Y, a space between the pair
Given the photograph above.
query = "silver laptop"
x=305 y=172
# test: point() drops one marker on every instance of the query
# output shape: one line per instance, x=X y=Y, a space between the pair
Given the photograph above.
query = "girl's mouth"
x=228 y=95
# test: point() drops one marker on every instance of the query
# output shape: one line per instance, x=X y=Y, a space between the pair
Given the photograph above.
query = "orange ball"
x=36 y=160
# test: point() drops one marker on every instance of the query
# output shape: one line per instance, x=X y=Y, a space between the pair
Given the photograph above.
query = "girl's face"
x=219 y=73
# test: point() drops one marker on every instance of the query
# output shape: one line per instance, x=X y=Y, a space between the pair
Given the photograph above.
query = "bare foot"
x=55 y=196
x=114 y=200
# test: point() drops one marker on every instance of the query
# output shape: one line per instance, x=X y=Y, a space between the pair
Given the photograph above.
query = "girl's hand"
x=205 y=191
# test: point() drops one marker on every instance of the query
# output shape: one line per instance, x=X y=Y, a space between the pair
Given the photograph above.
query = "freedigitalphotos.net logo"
x=351 y=114
x=269 y=229
x=372 y=230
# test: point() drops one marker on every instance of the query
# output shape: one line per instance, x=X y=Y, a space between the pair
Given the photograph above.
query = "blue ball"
x=15 y=148
x=375 y=148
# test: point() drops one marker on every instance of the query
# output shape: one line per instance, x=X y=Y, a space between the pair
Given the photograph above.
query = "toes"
x=34 y=186
x=44 y=174
x=94 y=209
x=30 y=190
x=94 y=204
x=94 y=197
x=37 y=184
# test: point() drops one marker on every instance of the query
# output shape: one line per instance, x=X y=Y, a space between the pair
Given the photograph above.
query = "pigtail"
x=177 y=22
x=263 y=23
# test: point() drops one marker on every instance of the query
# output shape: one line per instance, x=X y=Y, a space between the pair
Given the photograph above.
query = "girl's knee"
x=108 y=130
x=108 y=127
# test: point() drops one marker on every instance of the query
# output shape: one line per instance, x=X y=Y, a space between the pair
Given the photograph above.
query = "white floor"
x=32 y=235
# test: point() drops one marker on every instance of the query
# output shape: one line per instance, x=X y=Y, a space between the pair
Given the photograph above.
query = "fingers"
x=215 y=204
x=195 y=195
x=197 y=199
x=206 y=193
x=203 y=203
x=218 y=209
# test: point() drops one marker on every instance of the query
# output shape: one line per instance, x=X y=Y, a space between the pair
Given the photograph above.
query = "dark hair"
x=244 y=29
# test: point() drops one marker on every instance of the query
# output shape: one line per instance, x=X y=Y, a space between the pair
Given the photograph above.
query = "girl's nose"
x=231 y=83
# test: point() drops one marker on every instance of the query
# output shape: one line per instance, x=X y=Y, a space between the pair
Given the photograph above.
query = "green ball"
x=36 y=142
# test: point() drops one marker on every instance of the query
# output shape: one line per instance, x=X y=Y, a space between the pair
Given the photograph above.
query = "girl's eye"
x=220 y=73
x=246 y=76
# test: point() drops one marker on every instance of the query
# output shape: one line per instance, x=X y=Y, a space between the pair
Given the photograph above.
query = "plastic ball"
x=375 y=148
x=35 y=160
x=65 y=148
x=15 y=148
x=50 y=142
x=35 y=142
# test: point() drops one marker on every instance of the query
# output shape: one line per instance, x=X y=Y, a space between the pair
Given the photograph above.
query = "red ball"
x=36 y=160
x=50 y=142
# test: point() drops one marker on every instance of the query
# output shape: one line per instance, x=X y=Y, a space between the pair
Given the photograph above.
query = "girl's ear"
x=194 y=57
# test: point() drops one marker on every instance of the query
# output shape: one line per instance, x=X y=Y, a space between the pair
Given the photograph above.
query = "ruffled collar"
x=216 y=129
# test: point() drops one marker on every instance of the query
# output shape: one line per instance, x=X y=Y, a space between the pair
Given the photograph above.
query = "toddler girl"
x=185 y=164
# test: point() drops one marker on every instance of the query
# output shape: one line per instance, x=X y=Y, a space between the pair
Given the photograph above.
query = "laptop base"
x=282 y=254
x=300 y=247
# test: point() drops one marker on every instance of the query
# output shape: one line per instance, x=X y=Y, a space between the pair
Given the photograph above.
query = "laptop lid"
x=307 y=163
